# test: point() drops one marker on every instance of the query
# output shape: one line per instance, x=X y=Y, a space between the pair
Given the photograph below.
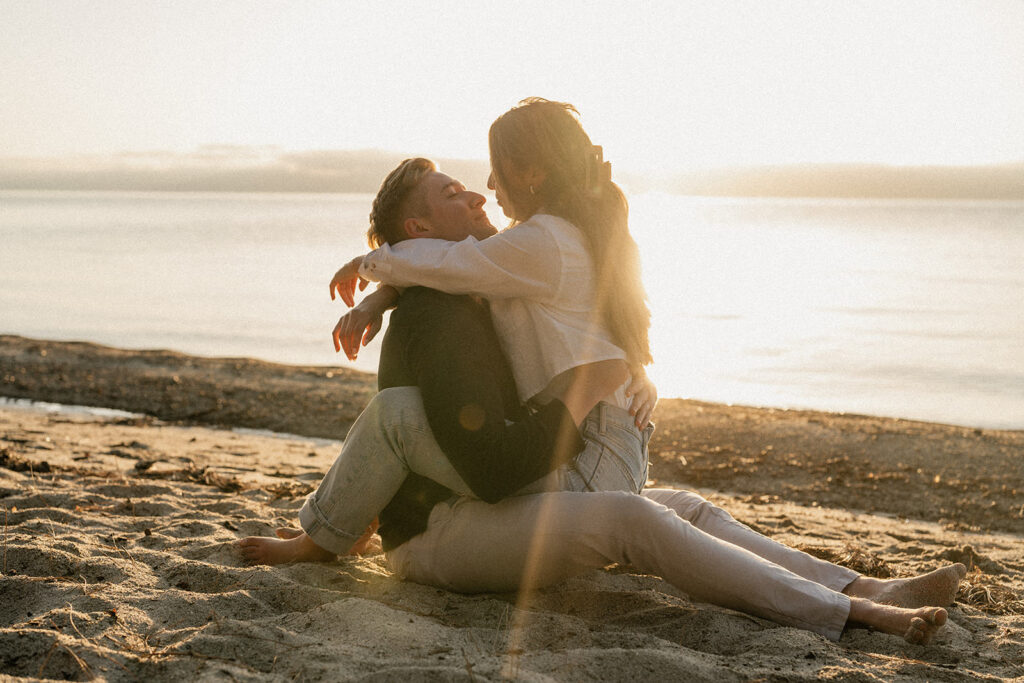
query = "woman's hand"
x=644 y=395
x=363 y=322
x=345 y=280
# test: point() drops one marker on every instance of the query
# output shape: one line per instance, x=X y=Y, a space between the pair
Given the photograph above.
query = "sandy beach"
x=118 y=558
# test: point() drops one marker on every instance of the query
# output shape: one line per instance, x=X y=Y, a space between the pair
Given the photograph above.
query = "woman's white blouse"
x=539 y=280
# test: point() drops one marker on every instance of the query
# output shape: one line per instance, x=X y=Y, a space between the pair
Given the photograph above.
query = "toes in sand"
x=916 y=626
x=925 y=625
x=288 y=547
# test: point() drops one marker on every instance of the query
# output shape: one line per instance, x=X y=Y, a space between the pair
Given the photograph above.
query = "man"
x=445 y=346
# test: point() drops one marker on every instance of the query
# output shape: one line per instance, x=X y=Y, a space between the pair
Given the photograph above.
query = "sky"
x=661 y=85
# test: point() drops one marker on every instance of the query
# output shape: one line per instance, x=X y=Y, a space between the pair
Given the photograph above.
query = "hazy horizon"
x=238 y=168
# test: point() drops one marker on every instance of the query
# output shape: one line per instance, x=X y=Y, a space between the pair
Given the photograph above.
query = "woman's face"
x=499 y=194
x=512 y=200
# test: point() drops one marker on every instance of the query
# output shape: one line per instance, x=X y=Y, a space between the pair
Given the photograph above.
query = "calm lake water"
x=903 y=308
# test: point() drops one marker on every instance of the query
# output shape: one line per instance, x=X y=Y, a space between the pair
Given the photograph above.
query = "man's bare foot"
x=291 y=545
x=367 y=544
x=916 y=626
x=934 y=588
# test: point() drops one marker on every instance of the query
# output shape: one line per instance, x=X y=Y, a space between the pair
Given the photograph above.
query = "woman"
x=563 y=285
x=563 y=282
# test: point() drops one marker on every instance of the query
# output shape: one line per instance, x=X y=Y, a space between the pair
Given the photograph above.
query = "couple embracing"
x=507 y=448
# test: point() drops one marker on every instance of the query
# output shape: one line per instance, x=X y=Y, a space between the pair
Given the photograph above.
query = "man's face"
x=454 y=212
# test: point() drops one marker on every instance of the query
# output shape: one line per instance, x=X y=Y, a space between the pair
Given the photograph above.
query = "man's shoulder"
x=426 y=295
x=423 y=303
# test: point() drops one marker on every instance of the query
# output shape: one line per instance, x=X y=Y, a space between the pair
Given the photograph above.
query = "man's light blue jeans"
x=392 y=438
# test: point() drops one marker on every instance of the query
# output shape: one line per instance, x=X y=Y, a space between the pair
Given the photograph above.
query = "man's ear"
x=416 y=227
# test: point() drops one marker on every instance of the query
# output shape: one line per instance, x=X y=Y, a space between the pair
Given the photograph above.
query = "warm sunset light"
x=666 y=340
x=665 y=86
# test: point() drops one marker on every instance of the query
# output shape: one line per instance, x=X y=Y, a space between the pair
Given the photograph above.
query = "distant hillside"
x=222 y=169
x=248 y=169
x=849 y=180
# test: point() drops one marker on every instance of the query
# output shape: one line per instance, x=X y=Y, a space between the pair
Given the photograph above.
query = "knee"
x=704 y=514
x=637 y=512
x=395 y=397
x=395 y=404
x=701 y=509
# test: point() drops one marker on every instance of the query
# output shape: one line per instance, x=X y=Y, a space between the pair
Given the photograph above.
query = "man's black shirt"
x=446 y=346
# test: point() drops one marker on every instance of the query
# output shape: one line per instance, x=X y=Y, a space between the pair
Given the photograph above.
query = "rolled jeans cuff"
x=318 y=527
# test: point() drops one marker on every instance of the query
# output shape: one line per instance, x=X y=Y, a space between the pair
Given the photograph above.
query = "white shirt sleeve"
x=523 y=262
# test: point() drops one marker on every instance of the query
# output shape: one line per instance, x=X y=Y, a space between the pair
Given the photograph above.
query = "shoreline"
x=118 y=557
x=920 y=470
x=14 y=342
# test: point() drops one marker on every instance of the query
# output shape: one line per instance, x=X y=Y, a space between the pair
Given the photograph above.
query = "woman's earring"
x=531 y=190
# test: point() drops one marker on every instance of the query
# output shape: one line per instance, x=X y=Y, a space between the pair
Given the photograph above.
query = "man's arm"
x=465 y=397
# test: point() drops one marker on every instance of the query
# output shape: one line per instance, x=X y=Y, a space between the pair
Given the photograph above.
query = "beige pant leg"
x=715 y=521
x=536 y=540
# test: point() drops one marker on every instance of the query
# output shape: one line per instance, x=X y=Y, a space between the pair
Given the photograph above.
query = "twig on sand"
x=99 y=648
x=851 y=556
x=123 y=551
x=53 y=648
x=71 y=620
x=87 y=591
x=46 y=660
x=981 y=591
x=5 y=540
x=469 y=666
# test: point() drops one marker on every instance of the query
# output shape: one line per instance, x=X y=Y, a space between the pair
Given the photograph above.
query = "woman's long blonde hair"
x=546 y=136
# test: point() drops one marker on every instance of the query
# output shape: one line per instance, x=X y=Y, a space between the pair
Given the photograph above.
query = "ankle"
x=308 y=548
x=864 y=587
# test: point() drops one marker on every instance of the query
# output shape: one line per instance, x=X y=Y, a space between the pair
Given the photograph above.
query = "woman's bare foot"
x=934 y=588
x=916 y=626
x=291 y=545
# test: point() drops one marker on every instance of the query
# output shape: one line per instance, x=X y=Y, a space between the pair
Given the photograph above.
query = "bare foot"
x=916 y=626
x=366 y=545
x=935 y=588
x=291 y=545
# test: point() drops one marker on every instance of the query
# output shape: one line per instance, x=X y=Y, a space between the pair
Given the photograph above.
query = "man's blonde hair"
x=397 y=200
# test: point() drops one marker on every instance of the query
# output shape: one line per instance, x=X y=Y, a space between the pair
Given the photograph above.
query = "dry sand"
x=118 y=560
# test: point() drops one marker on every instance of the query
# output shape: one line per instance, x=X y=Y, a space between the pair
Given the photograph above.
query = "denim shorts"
x=615 y=455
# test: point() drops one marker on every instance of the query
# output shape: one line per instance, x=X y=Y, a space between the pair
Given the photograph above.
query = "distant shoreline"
x=337 y=171
x=369 y=195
